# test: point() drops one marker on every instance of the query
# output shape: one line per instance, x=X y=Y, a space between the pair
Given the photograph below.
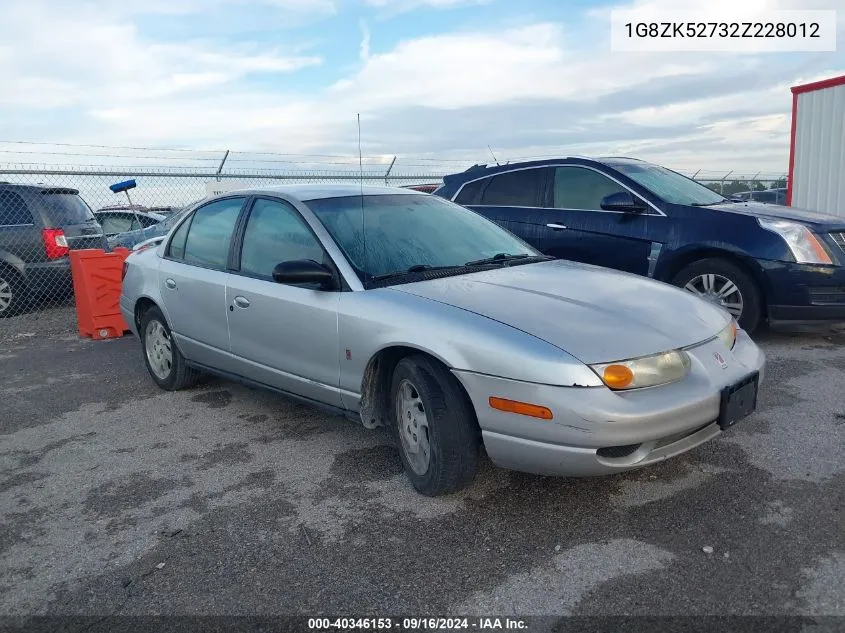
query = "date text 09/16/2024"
x=419 y=624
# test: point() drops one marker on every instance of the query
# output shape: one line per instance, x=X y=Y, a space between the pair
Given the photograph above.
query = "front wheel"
x=725 y=284
x=434 y=425
x=164 y=361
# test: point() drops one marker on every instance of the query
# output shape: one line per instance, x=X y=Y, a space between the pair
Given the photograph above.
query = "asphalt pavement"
x=117 y=498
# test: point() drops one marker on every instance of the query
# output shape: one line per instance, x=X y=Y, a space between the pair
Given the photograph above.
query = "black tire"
x=13 y=292
x=180 y=376
x=752 y=298
x=453 y=434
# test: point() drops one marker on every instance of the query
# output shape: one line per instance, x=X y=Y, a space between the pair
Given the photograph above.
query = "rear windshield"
x=66 y=208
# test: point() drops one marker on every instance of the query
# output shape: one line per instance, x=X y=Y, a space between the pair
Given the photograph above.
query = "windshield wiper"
x=416 y=268
x=504 y=257
x=708 y=204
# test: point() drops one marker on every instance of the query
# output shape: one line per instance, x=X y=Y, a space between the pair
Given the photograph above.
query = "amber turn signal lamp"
x=521 y=408
x=618 y=376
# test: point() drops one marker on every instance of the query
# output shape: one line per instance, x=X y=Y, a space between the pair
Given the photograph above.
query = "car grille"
x=827 y=295
x=839 y=238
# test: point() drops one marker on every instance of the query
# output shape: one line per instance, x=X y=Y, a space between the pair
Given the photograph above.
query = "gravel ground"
x=118 y=498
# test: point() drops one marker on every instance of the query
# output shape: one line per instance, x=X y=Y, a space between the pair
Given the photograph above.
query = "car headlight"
x=805 y=247
x=648 y=371
x=728 y=335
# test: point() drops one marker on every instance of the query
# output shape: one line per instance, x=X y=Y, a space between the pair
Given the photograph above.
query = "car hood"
x=593 y=313
x=774 y=211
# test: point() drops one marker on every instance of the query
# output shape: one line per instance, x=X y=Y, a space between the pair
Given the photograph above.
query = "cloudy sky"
x=432 y=79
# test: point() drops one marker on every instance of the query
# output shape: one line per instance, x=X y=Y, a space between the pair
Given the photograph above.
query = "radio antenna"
x=495 y=160
x=363 y=221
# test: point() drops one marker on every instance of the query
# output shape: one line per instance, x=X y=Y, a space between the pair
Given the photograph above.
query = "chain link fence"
x=46 y=213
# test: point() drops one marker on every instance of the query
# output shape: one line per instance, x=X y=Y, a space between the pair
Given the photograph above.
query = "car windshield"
x=385 y=234
x=669 y=185
x=66 y=208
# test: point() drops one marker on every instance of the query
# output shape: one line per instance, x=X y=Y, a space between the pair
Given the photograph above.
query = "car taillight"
x=55 y=243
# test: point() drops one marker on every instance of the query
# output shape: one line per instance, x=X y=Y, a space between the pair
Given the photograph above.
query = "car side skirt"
x=247 y=382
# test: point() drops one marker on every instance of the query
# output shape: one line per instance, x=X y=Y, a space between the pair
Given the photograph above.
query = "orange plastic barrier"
x=97 y=276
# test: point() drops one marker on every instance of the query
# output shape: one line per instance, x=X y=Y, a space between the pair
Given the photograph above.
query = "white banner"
x=733 y=28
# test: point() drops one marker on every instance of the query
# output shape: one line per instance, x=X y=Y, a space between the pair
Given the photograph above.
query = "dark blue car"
x=759 y=261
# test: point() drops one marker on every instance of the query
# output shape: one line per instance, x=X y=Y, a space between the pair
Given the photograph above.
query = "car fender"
x=373 y=321
x=13 y=261
x=671 y=260
x=141 y=282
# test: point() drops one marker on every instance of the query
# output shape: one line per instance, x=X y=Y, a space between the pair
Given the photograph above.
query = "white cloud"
x=406 y=5
x=364 y=51
x=534 y=89
x=50 y=59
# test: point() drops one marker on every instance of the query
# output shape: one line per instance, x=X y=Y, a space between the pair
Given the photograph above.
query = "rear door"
x=192 y=282
x=64 y=209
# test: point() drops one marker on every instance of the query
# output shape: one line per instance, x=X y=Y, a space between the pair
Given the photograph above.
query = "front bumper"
x=804 y=292
x=596 y=431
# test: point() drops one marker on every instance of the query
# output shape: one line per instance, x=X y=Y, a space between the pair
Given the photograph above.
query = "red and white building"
x=817 y=147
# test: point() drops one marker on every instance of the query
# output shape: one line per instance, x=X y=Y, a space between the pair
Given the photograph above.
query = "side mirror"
x=304 y=271
x=622 y=201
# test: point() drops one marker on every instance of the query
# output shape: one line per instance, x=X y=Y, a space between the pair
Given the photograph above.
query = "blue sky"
x=432 y=79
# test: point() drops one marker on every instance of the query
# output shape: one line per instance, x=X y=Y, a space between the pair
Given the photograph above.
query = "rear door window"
x=469 y=193
x=210 y=233
x=515 y=189
x=13 y=209
x=65 y=208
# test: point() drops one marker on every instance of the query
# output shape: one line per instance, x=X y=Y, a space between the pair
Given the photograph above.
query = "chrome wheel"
x=158 y=348
x=5 y=295
x=719 y=290
x=413 y=427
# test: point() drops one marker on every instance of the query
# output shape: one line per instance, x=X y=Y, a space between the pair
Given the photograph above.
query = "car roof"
x=42 y=188
x=306 y=192
x=478 y=171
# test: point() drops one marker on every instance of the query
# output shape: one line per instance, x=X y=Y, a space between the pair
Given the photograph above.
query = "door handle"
x=170 y=284
x=241 y=302
x=556 y=227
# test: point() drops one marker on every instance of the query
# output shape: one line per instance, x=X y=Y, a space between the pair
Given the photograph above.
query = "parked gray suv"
x=39 y=225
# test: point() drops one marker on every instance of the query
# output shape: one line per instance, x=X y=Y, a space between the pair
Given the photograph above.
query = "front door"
x=282 y=335
x=192 y=278
x=575 y=227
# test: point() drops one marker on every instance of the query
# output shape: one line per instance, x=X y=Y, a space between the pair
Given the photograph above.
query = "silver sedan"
x=400 y=309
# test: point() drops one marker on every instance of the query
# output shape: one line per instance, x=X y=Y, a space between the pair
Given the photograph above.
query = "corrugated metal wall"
x=819 y=169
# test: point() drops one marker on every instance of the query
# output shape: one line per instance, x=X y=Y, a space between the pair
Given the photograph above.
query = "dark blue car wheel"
x=727 y=285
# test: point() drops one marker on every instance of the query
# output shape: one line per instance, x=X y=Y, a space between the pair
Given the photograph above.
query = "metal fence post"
x=387 y=173
x=722 y=182
x=222 y=162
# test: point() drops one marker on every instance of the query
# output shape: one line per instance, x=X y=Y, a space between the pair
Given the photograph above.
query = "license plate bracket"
x=739 y=400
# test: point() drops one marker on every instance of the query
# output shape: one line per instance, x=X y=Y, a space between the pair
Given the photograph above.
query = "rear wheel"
x=434 y=426
x=12 y=292
x=164 y=361
x=725 y=284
